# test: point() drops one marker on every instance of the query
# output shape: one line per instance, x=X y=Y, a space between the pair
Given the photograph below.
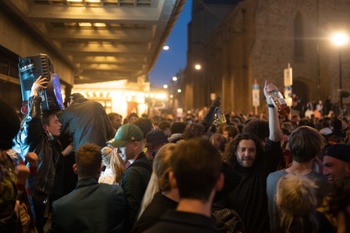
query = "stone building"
x=256 y=40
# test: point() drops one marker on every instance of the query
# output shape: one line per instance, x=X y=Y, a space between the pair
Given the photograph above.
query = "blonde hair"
x=159 y=180
x=298 y=200
x=112 y=159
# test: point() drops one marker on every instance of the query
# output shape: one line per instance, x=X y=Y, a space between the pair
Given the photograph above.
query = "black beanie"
x=339 y=151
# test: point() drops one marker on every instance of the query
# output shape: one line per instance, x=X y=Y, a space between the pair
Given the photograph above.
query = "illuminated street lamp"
x=178 y=90
x=165 y=86
x=340 y=39
x=198 y=67
x=174 y=78
x=166 y=47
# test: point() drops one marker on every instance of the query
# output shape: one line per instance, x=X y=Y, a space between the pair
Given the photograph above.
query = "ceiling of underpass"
x=104 y=40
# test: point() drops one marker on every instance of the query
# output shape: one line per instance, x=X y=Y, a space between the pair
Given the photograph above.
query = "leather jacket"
x=86 y=121
x=32 y=137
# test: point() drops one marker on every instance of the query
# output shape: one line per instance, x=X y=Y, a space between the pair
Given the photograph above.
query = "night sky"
x=171 y=61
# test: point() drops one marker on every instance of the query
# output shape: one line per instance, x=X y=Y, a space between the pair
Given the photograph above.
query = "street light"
x=340 y=39
x=198 y=67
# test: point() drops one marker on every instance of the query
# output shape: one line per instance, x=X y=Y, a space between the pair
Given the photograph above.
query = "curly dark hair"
x=260 y=128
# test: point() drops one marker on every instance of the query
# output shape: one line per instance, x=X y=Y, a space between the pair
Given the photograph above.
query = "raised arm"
x=274 y=124
x=209 y=117
x=32 y=129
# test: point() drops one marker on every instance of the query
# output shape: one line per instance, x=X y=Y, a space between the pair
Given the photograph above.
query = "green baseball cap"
x=126 y=133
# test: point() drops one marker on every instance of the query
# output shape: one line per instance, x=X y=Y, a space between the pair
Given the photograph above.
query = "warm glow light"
x=165 y=86
x=74 y=0
x=171 y=96
x=198 y=67
x=174 y=78
x=142 y=107
x=340 y=38
x=100 y=25
x=179 y=90
x=166 y=47
x=85 y=24
x=160 y=96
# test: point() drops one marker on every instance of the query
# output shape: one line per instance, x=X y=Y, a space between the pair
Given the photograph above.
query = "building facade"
x=256 y=40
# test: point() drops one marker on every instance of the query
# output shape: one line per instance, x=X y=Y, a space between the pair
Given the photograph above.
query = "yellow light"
x=198 y=67
x=179 y=90
x=142 y=107
x=85 y=24
x=99 y=25
x=160 y=96
x=165 y=86
x=340 y=38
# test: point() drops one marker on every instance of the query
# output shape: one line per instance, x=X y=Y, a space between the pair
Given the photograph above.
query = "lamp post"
x=340 y=39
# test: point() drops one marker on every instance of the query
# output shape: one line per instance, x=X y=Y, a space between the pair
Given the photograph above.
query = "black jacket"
x=32 y=138
x=90 y=207
x=86 y=121
x=134 y=183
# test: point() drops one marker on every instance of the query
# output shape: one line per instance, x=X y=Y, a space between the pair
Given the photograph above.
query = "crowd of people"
x=89 y=171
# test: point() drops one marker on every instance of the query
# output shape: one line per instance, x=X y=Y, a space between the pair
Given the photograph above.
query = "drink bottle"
x=219 y=118
x=280 y=103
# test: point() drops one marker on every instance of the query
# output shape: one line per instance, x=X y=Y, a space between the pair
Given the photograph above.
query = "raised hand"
x=32 y=159
x=41 y=82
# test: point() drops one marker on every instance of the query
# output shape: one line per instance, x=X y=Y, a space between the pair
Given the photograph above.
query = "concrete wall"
x=22 y=42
